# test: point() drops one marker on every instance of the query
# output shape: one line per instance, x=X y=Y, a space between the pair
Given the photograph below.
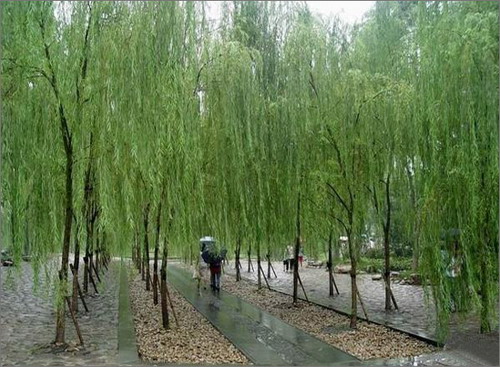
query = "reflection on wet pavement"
x=265 y=339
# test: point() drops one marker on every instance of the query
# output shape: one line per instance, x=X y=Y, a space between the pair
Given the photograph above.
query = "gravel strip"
x=369 y=341
x=195 y=341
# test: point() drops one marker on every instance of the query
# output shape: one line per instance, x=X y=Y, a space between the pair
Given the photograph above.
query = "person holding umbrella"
x=213 y=256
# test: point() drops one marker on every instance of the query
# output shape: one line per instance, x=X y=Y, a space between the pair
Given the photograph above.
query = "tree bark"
x=354 y=289
x=60 y=320
x=268 y=256
x=76 y=262
x=249 y=260
x=237 y=260
x=259 y=278
x=330 y=263
x=155 y=265
x=387 y=257
x=146 y=248
x=296 y=255
x=97 y=249
x=163 y=288
x=138 y=251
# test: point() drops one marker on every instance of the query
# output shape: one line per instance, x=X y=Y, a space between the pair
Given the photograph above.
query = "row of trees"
x=153 y=119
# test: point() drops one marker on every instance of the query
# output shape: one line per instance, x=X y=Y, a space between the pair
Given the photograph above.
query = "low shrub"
x=370 y=265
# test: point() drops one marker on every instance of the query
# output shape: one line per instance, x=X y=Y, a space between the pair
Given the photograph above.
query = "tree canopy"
x=225 y=123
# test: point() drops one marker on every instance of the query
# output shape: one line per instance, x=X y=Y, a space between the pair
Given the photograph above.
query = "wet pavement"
x=27 y=321
x=416 y=315
x=264 y=339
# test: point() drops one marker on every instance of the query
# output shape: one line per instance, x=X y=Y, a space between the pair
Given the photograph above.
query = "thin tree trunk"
x=249 y=260
x=330 y=264
x=97 y=249
x=268 y=256
x=296 y=255
x=163 y=288
x=143 y=264
x=134 y=249
x=259 y=279
x=146 y=248
x=88 y=251
x=68 y=149
x=76 y=262
x=354 y=288
x=387 y=257
x=155 y=265
x=60 y=319
x=237 y=261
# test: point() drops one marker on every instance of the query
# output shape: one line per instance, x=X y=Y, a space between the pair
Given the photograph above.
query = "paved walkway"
x=27 y=320
x=416 y=315
x=264 y=339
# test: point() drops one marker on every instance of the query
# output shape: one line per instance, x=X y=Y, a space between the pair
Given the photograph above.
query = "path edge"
x=127 y=344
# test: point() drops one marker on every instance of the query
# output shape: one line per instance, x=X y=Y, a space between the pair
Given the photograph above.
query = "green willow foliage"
x=225 y=124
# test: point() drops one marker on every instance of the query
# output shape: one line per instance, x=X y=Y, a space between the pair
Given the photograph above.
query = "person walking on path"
x=199 y=272
x=285 y=260
x=291 y=257
x=215 y=272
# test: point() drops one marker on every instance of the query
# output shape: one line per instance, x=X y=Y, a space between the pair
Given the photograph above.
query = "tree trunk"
x=330 y=263
x=143 y=264
x=134 y=251
x=97 y=249
x=76 y=262
x=146 y=248
x=354 y=289
x=163 y=288
x=249 y=260
x=387 y=258
x=268 y=256
x=88 y=251
x=68 y=220
x=259 y=278
x=387 y=272
x=296 y=255
x=237 y=260
x=155 y=265
x=138 y=255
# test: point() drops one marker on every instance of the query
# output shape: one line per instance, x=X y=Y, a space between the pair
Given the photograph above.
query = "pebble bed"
x=195 y=341
x=368 y=341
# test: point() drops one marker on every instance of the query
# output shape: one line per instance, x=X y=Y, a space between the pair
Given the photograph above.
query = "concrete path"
x=264 y=339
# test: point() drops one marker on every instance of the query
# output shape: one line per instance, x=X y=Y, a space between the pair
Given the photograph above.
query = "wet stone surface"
x=27 y=320
x=416 y=313
x=267 y=340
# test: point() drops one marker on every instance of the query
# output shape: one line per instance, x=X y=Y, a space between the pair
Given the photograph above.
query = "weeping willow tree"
x=459 y=156
x=173 y=128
